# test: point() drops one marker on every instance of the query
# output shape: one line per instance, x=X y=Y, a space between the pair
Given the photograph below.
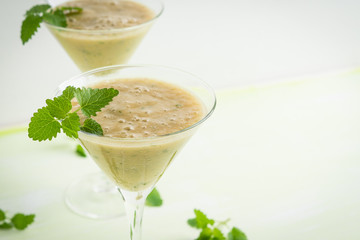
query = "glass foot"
x=94 y=196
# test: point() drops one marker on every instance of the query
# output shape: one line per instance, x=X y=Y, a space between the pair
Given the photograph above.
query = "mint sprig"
x=48 y=121
x=80 y=151
x=43 y=12
x=212 y=230
x=19 y=221
x=154 y=199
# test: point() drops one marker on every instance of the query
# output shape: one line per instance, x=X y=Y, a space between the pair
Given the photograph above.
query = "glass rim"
x=143 y=139
x=114 y=30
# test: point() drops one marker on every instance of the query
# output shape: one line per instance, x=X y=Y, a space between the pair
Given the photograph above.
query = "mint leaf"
x=205 y=234
x=29 y=27
x=201 y=221
x=71 y=125
x=6 y=225
x=192 y=222
x=2 y=215
x=91 y=126
x=236 y=234
x=69 y=92
x=56 y=18
x=43 y=12
x=210 y=229
x=21 y=221
x=59 y=107
x=48 y=121
x=38 y=9
x=211 y=234
x=93 y=100
x=80 y=151
x=218 y=235
x=154 y=199
x=43 y=126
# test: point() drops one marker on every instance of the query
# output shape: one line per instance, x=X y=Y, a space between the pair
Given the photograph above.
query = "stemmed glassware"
x=136 y=164
x=90 y=49
x=93 y=195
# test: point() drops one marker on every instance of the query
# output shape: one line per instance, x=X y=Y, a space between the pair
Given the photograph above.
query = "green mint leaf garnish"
x=43 y=12
x=21 y=221
x=2 y=215
x=38 y=9
x=236 y=234
x=69 y=92
x=56 y=18
x=59 y=106
x=71 y=125
x=29 y=27
x=43 y=126
x=91 y=126
x=48 y=121
x=92 y=100
x=211 y=229
x=154 y=199
x=80 y=151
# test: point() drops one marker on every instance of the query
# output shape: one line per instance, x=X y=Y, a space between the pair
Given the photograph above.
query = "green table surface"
x=282 y=161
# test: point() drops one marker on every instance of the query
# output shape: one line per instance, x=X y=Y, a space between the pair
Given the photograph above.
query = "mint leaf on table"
x=19 y=221
x=92 y=100
x=205 y=234
x=154 y=199
x=3 y=224
x=211 y=229
x=201 y=221
x=48 y=121
x=43 y=12
x=2 y=215
x=218 y=235
x=236 y=234
x=22 y=221
x=6 y=225
x=80 y=151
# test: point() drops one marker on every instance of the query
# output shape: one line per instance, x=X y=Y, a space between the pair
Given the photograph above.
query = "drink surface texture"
x=131 y=153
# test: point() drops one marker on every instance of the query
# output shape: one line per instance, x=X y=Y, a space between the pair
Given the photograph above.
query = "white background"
x=228 y=43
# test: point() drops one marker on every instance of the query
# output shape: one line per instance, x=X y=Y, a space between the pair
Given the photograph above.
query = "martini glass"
x=135 y=165
x=90 y=49
x=93 y=195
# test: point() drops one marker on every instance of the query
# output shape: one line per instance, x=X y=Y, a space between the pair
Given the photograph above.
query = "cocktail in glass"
x=93 y=195
x=136 y=164
x=90 y=49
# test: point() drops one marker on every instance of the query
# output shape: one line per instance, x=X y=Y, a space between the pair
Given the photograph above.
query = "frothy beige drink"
x=143 y=110
x=106 y=14
x=106 y=32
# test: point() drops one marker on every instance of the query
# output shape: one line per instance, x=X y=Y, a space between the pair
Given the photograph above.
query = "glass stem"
x=134 y=206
